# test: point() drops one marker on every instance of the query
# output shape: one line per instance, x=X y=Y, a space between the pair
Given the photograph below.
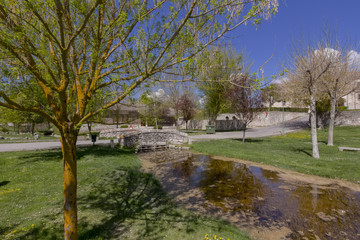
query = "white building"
x=352 y=100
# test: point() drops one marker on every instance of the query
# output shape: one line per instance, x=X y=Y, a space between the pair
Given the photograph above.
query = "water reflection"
x=309 y=210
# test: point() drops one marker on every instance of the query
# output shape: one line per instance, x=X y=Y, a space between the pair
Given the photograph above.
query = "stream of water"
x=248 y=195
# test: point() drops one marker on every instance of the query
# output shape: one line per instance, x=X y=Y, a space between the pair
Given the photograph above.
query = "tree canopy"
x=68 y=51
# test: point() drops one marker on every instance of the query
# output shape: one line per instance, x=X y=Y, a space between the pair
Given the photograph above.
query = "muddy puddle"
x=261 y=201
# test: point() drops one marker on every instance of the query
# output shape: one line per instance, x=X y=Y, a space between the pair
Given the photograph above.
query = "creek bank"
x=267 y=202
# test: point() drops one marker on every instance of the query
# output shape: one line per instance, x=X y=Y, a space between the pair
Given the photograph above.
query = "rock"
x=301 y=233
x=328 y=234
x=341 y=212
x=1 y=137
x=324 y=217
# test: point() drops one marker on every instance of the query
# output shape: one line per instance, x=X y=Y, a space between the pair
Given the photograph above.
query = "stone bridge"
x=149 y=138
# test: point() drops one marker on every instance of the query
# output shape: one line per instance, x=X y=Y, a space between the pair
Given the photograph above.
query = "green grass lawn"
x=21 y=138
x=115 y=200
x=293 y=152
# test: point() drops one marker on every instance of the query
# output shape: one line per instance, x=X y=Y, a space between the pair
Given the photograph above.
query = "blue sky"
x=296 y=18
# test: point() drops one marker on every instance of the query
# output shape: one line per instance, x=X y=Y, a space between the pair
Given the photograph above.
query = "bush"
x=158 y=127
x=124 y=126
x=3 y=129
x=46 y=132
x=287 y=109
x=342 y=108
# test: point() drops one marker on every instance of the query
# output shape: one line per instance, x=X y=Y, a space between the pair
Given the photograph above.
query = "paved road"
x=11 y=147
x=290 y=126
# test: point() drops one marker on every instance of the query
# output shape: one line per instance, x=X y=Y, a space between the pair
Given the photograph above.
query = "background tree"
x=216 y=66
x=156 y=107
x=338 y=80
x=245 y=99
x=271 y=94
x=69 y=50
x=308 y=66
x=100 y=97
x=11 y=116
x=186 y=105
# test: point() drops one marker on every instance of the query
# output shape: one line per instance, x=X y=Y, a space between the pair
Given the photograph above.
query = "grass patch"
x=115 y=200
x=294 y=151
x=26 y=138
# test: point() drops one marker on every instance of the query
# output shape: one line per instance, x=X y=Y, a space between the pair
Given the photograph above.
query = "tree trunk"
x=315 y=147
x=320 y=120
x=32 y=128
x=332 y=122
x=117 y=118
x=243 y=139
x=212 y=119
x=89 y=127
x=68 y=145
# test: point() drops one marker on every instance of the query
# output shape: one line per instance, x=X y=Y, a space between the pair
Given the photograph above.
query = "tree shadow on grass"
x=3 y=183
x=101 y=151
x=130 y=197
x=56 y=155
x=41 y=156
x=249 y=140
x=303 y=150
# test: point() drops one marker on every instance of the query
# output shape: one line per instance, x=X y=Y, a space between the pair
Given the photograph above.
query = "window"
x=358 y=96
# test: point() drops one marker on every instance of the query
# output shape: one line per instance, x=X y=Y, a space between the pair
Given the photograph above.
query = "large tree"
x=309 y=63
x=245 y=98
x=216 y=67
x=338 y=80
x=186 y=105
x=69 y=50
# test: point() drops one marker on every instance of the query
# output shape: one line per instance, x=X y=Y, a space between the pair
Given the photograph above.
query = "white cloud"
x=354 y=57
x=160 y=93
x=330 y=52
x=280 y=80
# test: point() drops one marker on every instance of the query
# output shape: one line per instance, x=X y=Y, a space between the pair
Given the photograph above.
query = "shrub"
x=158 y=127
x=46 y=132
x=342 y=108
x=3 y=129
x=124 y=126
x=287 y=109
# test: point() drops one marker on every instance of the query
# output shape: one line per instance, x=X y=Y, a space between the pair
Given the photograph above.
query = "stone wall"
x=261 y=120
x=229 y=125
x=151 y=137
x=275 y=117
x=105 y=127
x=195 y=124
x=348 y=118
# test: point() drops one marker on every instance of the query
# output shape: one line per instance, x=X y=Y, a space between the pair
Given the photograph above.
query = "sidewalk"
x=290 y=126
